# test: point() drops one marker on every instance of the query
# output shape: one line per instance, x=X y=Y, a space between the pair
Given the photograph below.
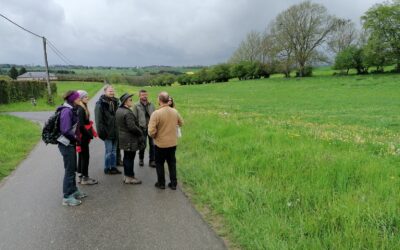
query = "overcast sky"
x=142 y=32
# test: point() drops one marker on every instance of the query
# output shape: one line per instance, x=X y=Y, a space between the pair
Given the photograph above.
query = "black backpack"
x=51 y=129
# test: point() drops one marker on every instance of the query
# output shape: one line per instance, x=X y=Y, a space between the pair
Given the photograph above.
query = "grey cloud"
x=129 y=33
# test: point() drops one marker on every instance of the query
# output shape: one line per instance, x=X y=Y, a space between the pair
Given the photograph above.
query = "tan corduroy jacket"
x=163 y=126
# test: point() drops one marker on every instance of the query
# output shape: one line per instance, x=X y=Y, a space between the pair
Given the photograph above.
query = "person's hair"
x=172 y=105
x=85 y=107
x=163 y=97
x=142 y=91
x=106 y=87
x=68 y=93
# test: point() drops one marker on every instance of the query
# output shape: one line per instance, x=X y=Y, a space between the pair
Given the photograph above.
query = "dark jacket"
x=130 y=135
x=86 y=135
x=105 y=118
x=69 y=122
x=143 y=113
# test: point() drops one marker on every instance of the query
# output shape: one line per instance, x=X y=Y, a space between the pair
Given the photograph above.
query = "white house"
x=36 y=76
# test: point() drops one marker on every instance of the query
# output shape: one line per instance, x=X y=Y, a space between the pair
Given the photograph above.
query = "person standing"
x=162 y=128
x=105 y=110
x=130 y=137
x=143 y=110
x=86 y=130
x=70 y=135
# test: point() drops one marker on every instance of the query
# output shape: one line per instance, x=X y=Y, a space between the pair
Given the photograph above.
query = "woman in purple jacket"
x=66 y=145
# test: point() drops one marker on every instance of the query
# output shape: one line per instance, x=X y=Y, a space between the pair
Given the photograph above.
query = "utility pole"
x=50 y=98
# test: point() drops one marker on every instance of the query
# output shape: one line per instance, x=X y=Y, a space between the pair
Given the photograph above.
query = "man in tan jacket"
x=162 y=128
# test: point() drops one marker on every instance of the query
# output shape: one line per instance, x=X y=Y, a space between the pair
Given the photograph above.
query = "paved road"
x=113 y=216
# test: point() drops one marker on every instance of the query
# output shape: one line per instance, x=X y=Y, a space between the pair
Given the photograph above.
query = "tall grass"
x=295 y=164
x=17 y=138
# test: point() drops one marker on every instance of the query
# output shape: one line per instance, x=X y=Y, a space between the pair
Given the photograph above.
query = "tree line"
x=306 y=34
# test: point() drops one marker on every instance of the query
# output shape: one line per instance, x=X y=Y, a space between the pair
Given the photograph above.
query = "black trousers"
x=151 y=147
x=83 y=160
x=162 y=155
x=129 y=159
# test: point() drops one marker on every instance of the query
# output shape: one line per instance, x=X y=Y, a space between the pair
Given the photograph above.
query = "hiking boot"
x=172 y=186
x=159 y=186
x=152 y=164
x=132 y=180
x=141 y=163
x=88 y=181
x=79 y=194
x=115 y=171
x=71 y=201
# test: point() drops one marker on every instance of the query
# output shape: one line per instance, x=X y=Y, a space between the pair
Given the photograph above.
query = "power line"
x=20 y=26
x=51 y=46
x=54 y=47
x=59 y=56
x=59 y=53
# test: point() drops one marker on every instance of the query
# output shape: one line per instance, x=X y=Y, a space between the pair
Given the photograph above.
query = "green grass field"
x=42 y=105
x=19 y=136
x=17 y=139
x=295 y=163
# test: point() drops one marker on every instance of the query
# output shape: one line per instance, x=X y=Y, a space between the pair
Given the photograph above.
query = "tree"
x=305 y=27
x=352 y=57
x=377 y=53
x=281 y=50
x=383 y=20
x=344 y=59
x=13 y=73
x=221 y=72
x=345 y=35
x=239 y=70
x=22 y=71
x=249 y=49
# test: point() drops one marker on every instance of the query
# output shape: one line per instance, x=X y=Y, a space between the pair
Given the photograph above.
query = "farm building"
x=35 y=76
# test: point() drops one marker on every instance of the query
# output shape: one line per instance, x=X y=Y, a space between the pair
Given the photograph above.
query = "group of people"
x=122 y=125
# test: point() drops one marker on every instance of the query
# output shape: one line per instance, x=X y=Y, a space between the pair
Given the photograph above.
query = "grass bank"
x=17 y=138
x=295 y=163
x=42 y=105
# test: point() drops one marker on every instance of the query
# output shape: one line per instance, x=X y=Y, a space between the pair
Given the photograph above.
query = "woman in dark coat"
x=86 y=129
x=130 y=137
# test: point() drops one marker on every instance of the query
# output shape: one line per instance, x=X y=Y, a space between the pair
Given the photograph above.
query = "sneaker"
x=107 y=171
x=71 y=201
x=141 y=163
x=88 y=181
x=115 y=171
x=152 y=164
x=79 y=194
x=159 y=186
x=132 y=180
x=172 y=186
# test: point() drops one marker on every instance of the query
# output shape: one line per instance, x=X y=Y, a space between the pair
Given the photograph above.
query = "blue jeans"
x=69 y=157
x=110 y=157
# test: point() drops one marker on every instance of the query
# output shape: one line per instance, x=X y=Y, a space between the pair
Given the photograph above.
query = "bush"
x=249 y=70
x=16 y=91
x=307 y=72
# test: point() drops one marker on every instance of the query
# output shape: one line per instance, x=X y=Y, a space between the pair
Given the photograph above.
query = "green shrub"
x=15 y=91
